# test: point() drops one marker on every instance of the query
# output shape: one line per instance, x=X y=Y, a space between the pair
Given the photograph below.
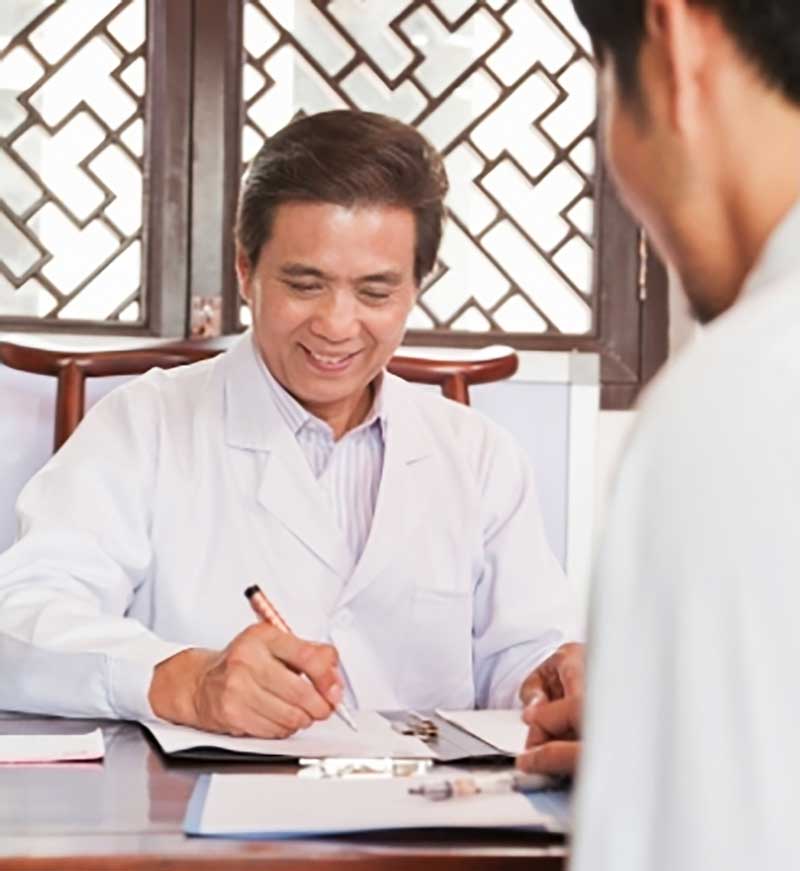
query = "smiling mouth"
x=329 y=362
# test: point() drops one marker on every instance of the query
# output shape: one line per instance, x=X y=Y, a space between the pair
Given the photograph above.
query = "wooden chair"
x=453 y=375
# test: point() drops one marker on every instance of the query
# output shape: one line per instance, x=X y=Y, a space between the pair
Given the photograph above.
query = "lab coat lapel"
x=287 y=488
x=290 y=493
x=401 y=499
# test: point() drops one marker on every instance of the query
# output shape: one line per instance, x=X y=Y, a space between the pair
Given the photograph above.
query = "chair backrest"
x=453 y=375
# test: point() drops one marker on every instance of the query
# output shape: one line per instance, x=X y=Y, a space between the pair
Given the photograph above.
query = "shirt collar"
x=297 y=417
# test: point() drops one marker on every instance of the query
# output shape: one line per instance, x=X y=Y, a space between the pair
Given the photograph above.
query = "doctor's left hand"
x=265 y=683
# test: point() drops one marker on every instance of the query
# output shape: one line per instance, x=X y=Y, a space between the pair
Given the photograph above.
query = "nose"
x=335 y=317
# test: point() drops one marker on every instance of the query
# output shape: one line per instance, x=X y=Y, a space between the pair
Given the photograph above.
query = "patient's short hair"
x=347 y=158
x=766 y=31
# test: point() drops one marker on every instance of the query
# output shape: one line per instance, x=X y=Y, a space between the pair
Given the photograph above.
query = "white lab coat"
x=183 y=487
x=692 y=757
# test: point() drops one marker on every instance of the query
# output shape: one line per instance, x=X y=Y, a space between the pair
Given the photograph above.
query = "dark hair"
x=347 y=158
x=766 y=31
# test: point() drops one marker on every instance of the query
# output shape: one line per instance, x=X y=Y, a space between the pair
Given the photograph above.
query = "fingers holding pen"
x=319 y=663
x=265 y=683
x=231 y=700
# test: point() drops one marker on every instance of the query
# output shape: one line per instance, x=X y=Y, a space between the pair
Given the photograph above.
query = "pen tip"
x=252 y=590
x=342 y=711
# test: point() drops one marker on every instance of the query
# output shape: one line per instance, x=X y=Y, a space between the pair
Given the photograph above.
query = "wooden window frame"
x=192 y=167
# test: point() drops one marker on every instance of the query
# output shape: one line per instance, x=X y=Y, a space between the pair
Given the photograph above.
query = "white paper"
x=279 y=804
x=51 y=748
x=503 y=729
x=329 y=738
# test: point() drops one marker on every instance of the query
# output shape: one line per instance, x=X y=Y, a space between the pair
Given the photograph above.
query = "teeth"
x=329 y=361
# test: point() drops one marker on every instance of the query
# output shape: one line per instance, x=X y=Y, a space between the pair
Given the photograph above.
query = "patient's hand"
x=553 y=745
x=553 y=698
x=265 y=683
x=558 y=677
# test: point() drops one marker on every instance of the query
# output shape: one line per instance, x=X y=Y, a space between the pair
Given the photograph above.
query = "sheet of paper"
x=284 y=805
x=51 y=748
x=374 y=738
x=502 y=729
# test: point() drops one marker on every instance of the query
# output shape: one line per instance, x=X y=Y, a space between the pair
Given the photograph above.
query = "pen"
x=266 y=611
x=468 y=785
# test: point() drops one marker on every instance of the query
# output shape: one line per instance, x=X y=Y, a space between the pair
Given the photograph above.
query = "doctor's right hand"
x=265 y=683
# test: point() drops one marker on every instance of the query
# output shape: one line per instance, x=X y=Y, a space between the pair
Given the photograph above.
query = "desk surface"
x=126 y=813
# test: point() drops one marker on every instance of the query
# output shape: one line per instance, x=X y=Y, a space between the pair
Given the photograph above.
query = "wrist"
x=174 y=685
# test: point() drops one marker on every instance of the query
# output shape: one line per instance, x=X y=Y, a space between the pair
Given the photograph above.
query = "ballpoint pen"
x=267 y=612
x=468 y=785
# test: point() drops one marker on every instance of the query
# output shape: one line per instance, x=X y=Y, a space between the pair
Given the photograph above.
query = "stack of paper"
x=19 y=749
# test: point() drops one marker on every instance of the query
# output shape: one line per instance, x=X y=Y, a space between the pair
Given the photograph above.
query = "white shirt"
x=183 y=487
x=348 y=470
x=692 y=757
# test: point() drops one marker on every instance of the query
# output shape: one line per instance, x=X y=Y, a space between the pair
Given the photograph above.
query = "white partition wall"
x=26 y=437
x=550 y=405
x=27 y=420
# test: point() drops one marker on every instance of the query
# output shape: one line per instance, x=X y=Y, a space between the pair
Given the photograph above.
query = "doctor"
x=398 y=533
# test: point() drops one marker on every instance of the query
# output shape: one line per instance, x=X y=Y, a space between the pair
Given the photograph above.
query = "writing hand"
x=265 y=683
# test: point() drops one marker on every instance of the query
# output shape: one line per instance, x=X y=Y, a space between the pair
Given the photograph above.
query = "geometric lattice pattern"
x=506 y=90
x=72 y=84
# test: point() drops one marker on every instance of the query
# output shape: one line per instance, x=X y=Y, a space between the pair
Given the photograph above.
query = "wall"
x=613 y=427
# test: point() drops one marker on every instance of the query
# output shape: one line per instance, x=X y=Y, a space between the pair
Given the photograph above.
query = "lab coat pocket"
x=438 y=667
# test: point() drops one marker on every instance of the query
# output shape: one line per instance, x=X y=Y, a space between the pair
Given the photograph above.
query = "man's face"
x=330 y=295
x=663 y=147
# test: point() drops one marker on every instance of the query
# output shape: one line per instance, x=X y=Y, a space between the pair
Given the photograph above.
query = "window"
x=105 y=94
x=72 y=116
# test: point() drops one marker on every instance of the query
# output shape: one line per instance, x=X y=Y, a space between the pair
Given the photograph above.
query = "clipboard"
x=451 y=744
x=259 y=806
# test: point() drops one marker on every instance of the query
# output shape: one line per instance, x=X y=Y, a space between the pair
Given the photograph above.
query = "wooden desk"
x=126 y=813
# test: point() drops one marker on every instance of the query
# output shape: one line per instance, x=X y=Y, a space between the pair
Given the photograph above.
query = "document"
x=329 y=738
x=21 y=749
x=282 y=805
x=503 y=729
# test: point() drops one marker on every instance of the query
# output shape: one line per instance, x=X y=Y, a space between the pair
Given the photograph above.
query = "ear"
x=676 y=34
x=244 y=274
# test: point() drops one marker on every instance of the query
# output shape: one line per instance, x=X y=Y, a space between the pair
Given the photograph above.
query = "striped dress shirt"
x=349 y=470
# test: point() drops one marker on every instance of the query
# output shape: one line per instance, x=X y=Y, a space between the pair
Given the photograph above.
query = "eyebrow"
x=301 y=270
x=390 y=277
